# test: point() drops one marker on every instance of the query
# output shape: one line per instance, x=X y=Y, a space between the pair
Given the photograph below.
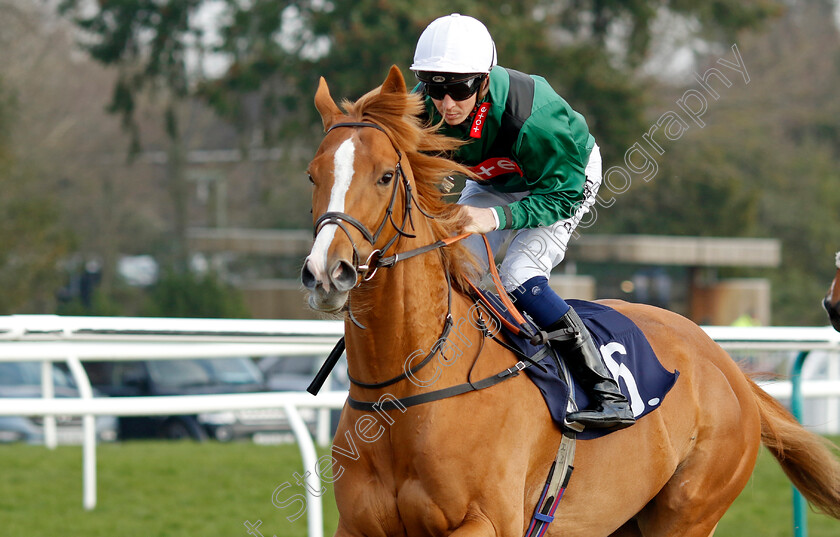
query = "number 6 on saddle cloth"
x=626 y=351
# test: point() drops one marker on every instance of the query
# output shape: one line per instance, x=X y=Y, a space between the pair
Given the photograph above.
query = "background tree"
x=71 y=202
x=148 y=44
x=764 y=165
x=32 y=243
x=61 y=143
x=590 y=50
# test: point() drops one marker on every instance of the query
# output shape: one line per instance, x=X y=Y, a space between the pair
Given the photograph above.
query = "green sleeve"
x=552 y=151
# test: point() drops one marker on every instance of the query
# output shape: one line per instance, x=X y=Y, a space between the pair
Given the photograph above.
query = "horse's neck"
x=403 y=310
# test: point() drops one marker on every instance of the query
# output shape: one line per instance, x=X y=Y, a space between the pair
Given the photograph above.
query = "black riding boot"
x=610 y=409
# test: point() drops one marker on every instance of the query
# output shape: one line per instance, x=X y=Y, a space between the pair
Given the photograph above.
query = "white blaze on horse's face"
x=329 y=282
x=343 y=174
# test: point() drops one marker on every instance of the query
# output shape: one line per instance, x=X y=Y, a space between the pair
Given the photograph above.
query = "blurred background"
x=152 y=154
x=152 y=158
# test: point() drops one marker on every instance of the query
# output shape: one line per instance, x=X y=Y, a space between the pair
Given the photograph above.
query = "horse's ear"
x=395 y=83
x=326 y=106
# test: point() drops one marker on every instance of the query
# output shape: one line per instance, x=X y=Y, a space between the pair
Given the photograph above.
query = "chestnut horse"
x=832 y=299
x=474 y=465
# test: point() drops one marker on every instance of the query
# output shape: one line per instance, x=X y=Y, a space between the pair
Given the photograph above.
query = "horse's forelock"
x=397 y=113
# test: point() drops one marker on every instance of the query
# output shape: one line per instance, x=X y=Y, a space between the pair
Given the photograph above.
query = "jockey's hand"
x=479 y=220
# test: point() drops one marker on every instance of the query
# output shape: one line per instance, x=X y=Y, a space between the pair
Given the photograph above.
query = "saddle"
x=625 y=349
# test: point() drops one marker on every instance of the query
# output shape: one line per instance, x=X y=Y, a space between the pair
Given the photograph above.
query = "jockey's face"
x=455 y=112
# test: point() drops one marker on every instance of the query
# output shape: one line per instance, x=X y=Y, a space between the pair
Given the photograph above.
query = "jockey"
x=538 y=172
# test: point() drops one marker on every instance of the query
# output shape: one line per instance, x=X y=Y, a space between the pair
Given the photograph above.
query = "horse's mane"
x=425 y=149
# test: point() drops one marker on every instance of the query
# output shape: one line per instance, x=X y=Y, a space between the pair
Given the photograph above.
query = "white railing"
x=47 y=339
x=794 y=339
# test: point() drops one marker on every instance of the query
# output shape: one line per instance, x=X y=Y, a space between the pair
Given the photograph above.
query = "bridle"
x=368 y=269
x=376 y=259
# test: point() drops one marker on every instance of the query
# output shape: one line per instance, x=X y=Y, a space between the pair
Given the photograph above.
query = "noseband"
x=368 y=269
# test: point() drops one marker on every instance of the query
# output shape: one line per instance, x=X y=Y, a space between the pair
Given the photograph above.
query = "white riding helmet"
x=455 y=44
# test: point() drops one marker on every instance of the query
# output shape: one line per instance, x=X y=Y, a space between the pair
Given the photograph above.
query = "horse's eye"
x=308 y=176
x=385 y=179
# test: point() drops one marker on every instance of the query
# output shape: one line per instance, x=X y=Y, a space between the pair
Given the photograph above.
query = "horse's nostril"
x=307 y=277
x=343 y=276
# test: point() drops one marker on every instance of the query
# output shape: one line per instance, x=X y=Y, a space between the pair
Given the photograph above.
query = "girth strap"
x=555 y=486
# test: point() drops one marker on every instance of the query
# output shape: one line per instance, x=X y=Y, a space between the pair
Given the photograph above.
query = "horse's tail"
x=808 y=459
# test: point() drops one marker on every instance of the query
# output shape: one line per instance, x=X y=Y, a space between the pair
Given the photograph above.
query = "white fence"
x=47 y=339
x=818 y=377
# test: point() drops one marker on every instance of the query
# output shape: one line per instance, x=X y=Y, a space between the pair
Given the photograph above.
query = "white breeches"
x=531 y=252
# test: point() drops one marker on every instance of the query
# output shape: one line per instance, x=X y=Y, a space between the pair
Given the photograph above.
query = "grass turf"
x=188 y=489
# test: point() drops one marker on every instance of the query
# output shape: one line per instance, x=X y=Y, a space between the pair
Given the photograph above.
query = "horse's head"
x=377 y=163
x=357 y=174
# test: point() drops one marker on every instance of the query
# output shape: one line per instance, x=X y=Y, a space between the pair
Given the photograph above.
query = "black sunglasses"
x=459 y=91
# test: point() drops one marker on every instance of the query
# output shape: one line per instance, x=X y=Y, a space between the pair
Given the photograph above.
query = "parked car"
x=295 y=373
x=189 y=377
x=23 y=379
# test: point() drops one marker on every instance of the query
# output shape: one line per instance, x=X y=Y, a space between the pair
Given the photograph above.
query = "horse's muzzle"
x=328 y=292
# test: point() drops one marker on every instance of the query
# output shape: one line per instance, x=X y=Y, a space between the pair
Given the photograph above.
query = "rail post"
x=88 y=433
x=48 y=392
x=800 y=511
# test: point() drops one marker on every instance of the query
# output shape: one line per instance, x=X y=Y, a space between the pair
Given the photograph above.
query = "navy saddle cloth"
x=626 y=351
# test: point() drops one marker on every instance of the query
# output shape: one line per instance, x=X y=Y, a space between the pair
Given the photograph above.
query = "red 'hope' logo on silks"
x=494 y=167
x=478 y=122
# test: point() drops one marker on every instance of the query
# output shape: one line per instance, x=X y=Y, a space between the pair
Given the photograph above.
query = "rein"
x=376 y=260
x=435 y=395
